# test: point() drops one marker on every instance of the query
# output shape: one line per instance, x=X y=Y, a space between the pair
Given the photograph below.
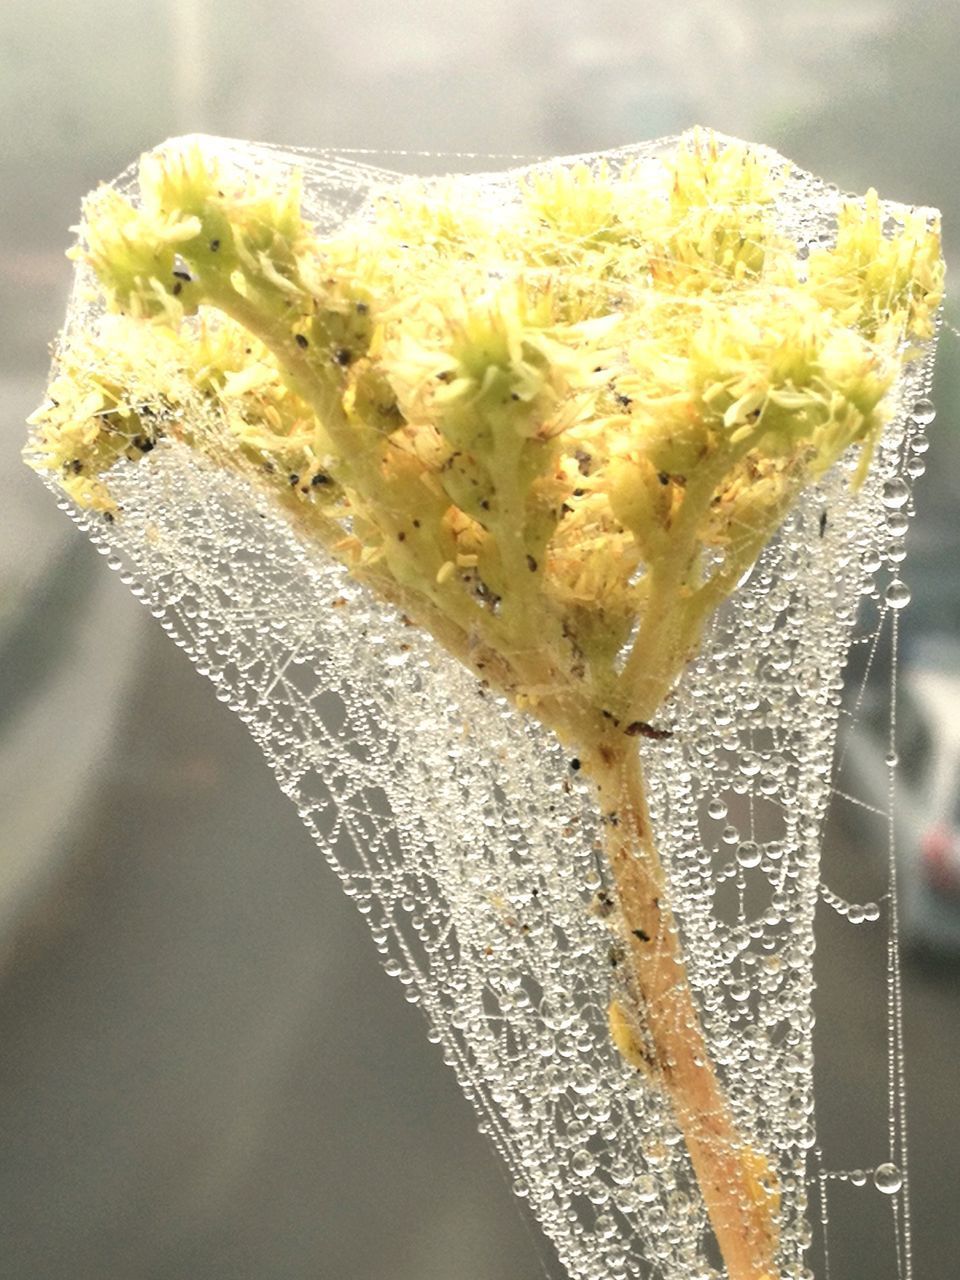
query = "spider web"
x=468 y=841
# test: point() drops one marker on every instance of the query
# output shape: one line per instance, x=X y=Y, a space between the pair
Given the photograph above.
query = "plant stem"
x=663 y=1035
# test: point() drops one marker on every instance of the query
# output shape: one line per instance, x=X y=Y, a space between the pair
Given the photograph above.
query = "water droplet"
x=895 y=494
x=717 y=810
x=888 y=1179
x=898 y=523
x=646 y=1189
x=606 y=1227
x=923 y=412
x=897 y=594
x=749 y=764
x=871 y=560
x=895 y=551
x=749 y=854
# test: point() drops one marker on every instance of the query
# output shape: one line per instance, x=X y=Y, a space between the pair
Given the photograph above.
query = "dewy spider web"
x=465 y=836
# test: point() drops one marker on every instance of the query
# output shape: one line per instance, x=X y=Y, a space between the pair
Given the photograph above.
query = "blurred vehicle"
x=927 y=785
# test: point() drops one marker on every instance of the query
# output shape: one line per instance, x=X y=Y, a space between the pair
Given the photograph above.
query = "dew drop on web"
x=897 y=594
x=888 y=1179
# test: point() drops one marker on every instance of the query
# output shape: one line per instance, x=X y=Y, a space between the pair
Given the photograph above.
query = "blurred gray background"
x=204 y=1074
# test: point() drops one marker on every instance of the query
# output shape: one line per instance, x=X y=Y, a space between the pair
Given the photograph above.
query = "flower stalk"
x=660 y=1033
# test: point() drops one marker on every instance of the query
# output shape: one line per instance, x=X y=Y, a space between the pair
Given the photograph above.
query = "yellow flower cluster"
x=524 y=419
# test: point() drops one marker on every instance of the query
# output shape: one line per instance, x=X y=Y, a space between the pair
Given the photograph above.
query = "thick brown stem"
x=658 y=1029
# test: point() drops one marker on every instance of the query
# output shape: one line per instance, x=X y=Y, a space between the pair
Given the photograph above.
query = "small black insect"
x=640 y=728
x=823 y=523
x=301 y=340
x=641 y=934
x=603 y=905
